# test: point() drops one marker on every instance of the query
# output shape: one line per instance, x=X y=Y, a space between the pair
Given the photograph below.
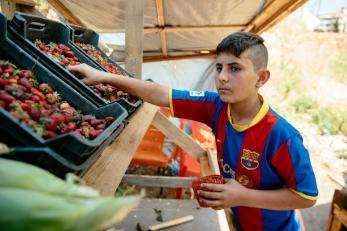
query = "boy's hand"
x=220 y=196
x=89 y=75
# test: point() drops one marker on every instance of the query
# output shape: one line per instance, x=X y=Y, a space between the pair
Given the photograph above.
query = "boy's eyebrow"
x=230 y=64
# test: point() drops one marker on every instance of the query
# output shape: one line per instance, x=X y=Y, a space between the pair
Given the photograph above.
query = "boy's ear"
x=263 y=77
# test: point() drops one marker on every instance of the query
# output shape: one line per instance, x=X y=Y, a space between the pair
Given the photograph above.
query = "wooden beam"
x=158 y=181
x=272 y=13
x=178 y=136
x=338 y=204
x=65 y=12
x=170 y=58
x=159 y=29
x=279 y=15
x=8 y=8
x=192 y=28
x=134 y=36
x=107 y=172
x=161 y=22
x=341 y=215
x=24 y=2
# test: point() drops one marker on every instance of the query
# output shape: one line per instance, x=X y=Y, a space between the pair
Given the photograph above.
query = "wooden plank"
x=273 y=12
x=65 y=12
x=24 y=2
x=106 y=174
x=161 y=22
x=134 y=36
x=179 y=57
x=279 y=15
x=192 y=28
x=178 y=136
x=339 y=201
x=205 y=166
x=341 y=215
x=8 y=8
x=213 y=162
x=158 y=181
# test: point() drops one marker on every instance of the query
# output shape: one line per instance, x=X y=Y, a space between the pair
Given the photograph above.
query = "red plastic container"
x=210 y=179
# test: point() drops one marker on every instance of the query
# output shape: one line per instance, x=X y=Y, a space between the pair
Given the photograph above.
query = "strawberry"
x=51 y=98
x=9 y=71
x=95 y=122
x=40 y=95
x=79 y=132
x=69 y=54
x=3 y=103
x=95 y=133
x=49 y=134
x=58 y=117
x=100 y=126
x=35 y=98
x=64 y=62
x=49 y=123
x=64 y=106
x=87 y=118
x=25 y=82
x=7 y=98
x=71 y=126
x=45 y=88
x=26 y=107
x=35 y=113
x=109 y=119
x=84 y=124
x=25 y=74
x=3 y=83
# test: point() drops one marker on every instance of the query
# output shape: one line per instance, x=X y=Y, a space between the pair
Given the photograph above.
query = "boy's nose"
x=223 y=77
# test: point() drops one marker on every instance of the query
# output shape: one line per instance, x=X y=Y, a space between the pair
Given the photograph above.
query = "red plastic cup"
x=210 y=179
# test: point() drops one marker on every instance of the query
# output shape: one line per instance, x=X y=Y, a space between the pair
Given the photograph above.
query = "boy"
x=262 y=153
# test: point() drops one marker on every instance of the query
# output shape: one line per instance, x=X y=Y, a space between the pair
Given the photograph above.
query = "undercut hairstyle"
x=240 y=42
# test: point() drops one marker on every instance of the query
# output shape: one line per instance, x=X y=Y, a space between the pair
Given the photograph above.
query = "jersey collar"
x=262 y=112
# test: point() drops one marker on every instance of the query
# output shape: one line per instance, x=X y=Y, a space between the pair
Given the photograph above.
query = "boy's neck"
x=243 y=112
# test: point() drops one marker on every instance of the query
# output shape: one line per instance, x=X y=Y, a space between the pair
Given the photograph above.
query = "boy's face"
x=236 y=78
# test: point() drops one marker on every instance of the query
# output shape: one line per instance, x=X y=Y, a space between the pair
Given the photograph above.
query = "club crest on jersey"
x=250 y=159
x=196 y=93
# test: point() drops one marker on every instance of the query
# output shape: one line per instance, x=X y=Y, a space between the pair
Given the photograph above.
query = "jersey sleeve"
x=193 y=105
x=292 y=162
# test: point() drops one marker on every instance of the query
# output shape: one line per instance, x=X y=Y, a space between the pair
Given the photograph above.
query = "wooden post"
x=338 y=211
x=8 y=8
x=134 y=36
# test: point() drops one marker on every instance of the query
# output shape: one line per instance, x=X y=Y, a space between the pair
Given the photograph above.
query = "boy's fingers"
x=209 y=195
x=213 y=187
x=211 y=203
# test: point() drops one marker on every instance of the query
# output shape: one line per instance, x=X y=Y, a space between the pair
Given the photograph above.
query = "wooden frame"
x=338 y=211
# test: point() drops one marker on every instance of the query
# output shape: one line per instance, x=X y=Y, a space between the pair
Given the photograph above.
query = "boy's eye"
x=218 y=69
x=235 y=69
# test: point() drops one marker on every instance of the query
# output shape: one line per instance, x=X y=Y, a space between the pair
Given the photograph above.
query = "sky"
x=325 y=6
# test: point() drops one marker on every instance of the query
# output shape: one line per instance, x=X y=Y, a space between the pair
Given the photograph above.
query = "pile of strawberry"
x=58 y=52
x=63 y=55
x=97 y=56
x=41 y=109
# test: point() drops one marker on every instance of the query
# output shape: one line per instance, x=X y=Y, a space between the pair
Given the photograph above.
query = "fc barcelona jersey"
x=266 y=154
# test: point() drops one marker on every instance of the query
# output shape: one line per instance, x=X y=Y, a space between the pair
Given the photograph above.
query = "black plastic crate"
x=48 y=159
x=70 y=145
x=88 y=36
x=25 y=28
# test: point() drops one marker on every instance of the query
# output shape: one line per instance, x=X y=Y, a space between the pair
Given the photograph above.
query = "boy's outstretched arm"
x=233 y=194
x=148 y=91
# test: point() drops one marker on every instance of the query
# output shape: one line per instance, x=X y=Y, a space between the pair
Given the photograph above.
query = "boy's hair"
x=239 y=42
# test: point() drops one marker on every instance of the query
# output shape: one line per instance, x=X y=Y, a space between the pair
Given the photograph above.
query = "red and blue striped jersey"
x=266 y=154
